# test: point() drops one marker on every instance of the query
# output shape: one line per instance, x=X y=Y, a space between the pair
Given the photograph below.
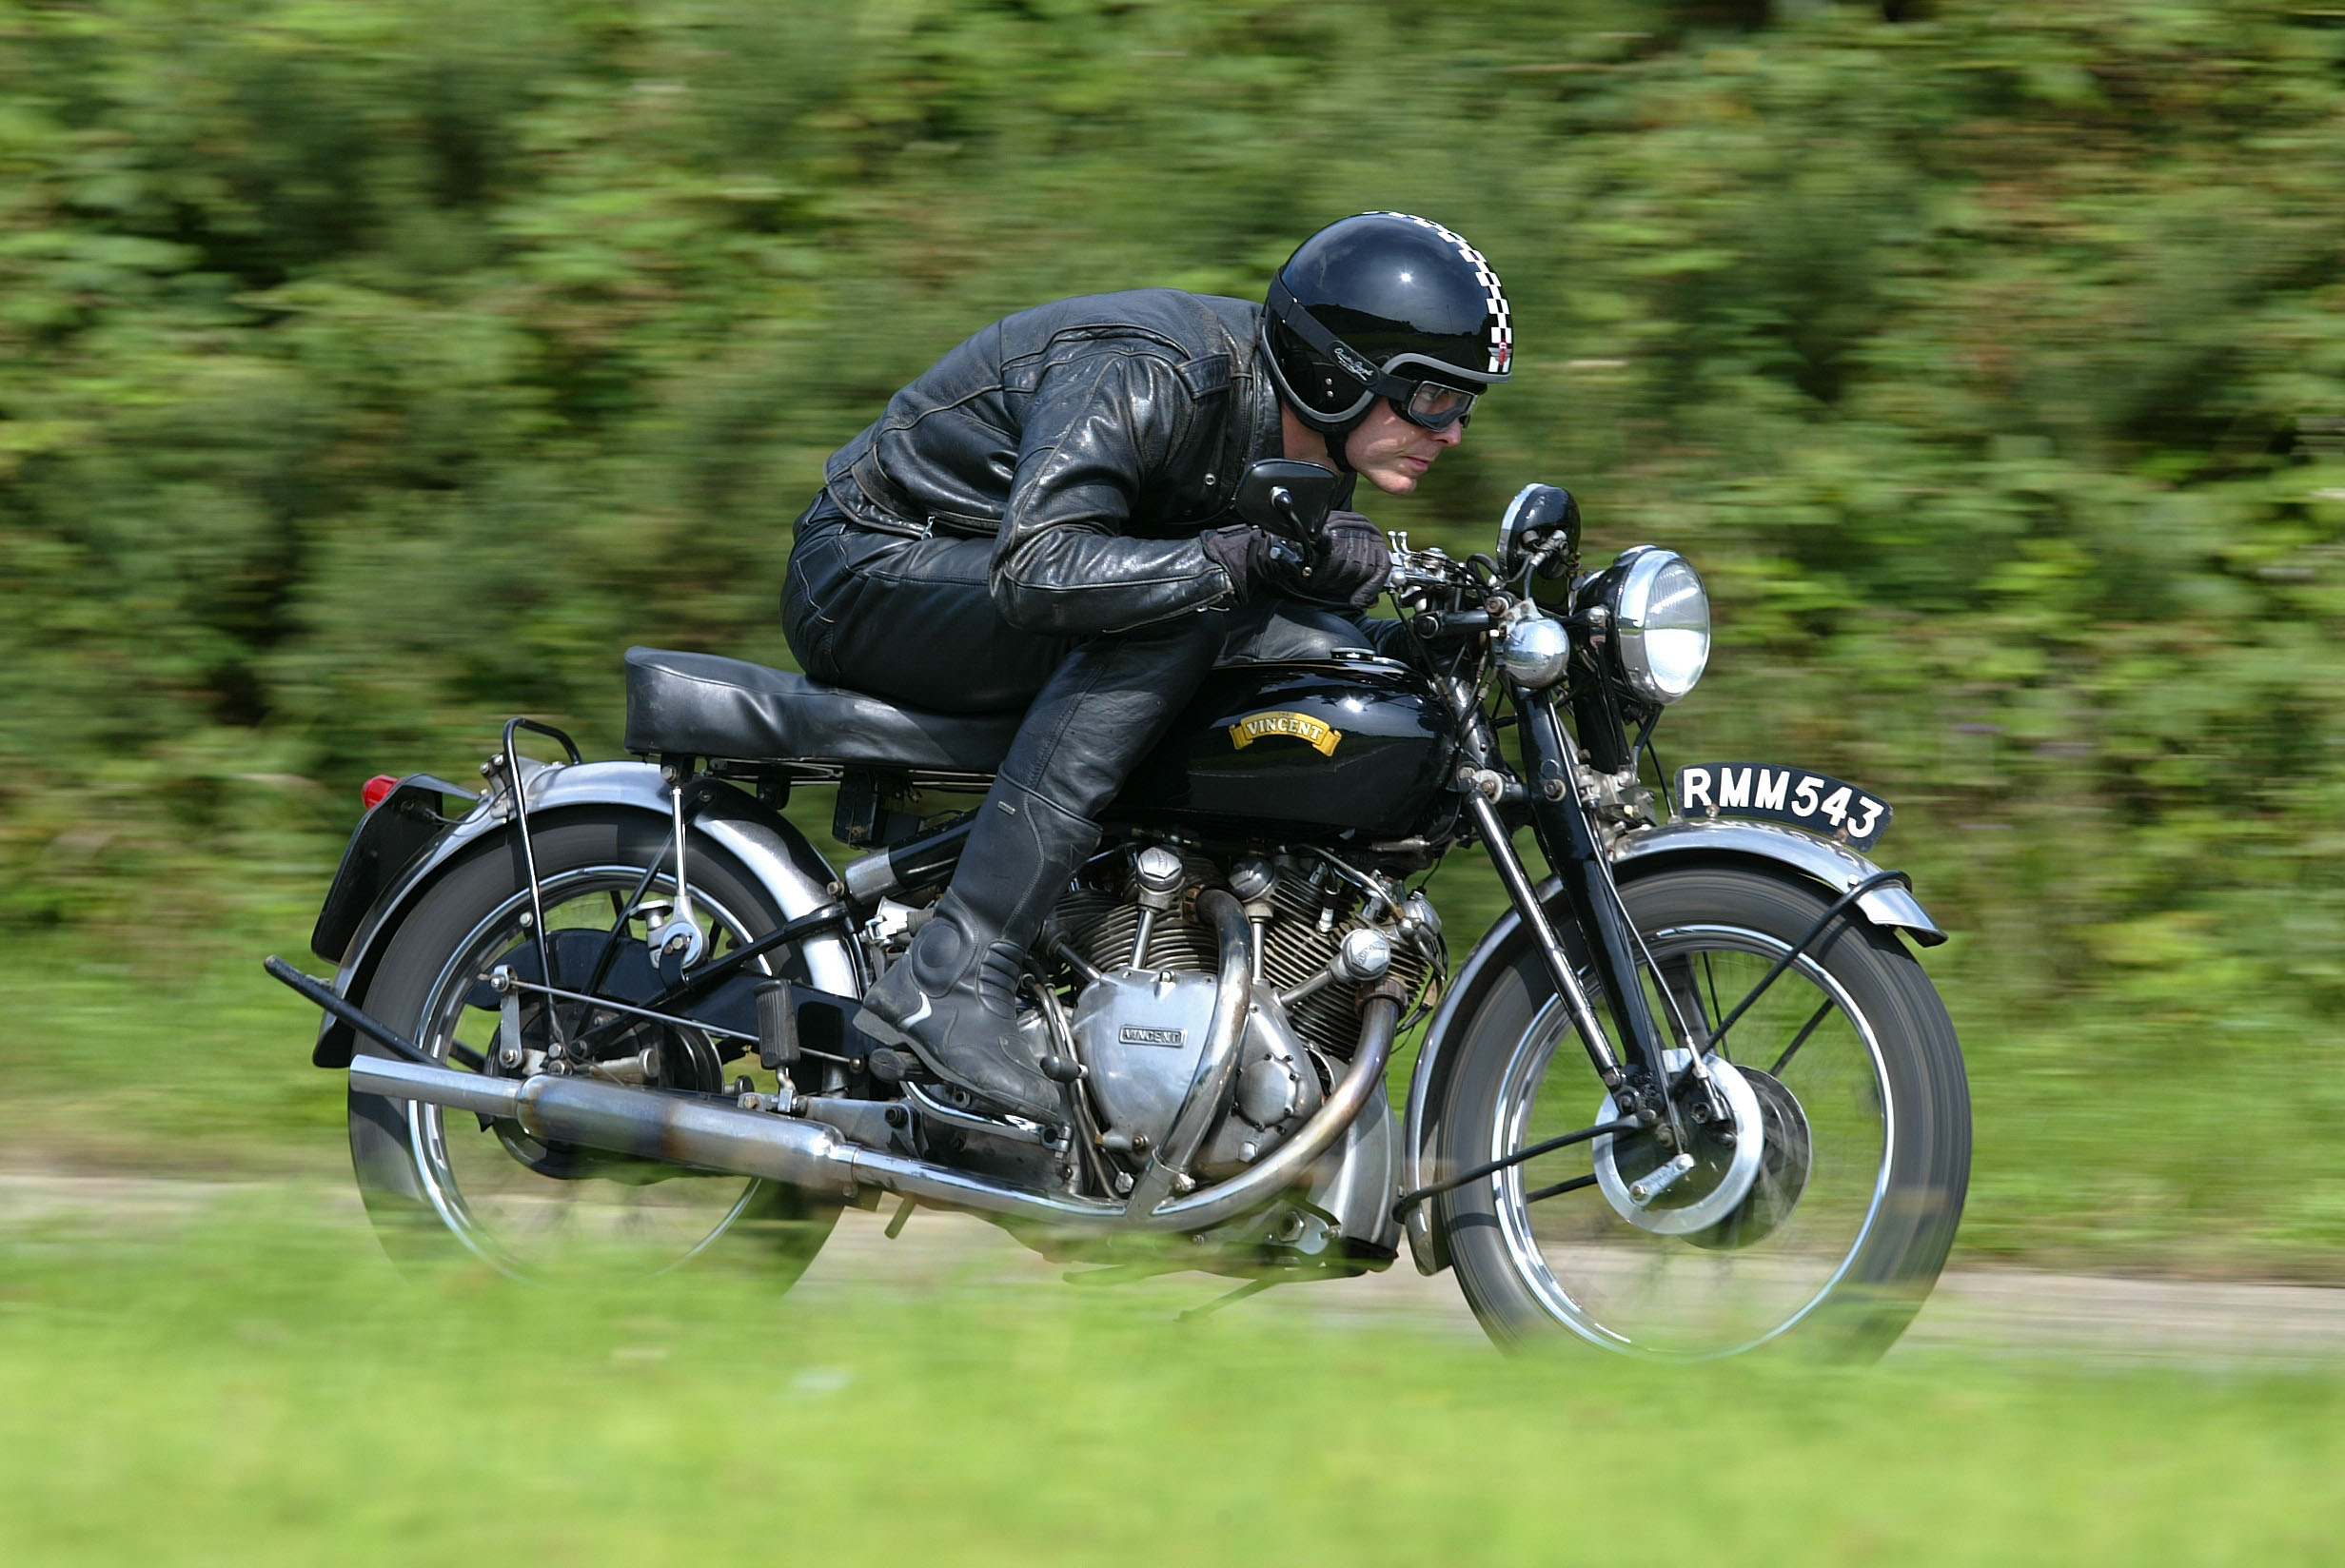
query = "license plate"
x=1818 y=802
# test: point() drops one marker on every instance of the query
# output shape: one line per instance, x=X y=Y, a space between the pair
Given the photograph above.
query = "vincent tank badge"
x=1301 y=726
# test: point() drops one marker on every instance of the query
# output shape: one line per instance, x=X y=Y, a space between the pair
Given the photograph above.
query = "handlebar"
x=1435 y=625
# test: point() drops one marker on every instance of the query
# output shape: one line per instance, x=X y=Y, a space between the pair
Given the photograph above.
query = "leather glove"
x=1255 y=559
x=1352 y=563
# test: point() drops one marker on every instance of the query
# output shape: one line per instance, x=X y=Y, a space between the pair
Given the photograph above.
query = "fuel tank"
x=1352 y=743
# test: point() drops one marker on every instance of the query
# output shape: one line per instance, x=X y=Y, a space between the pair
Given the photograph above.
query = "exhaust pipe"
x=720 y=1137
x=713 y=1135
x=710 y=1135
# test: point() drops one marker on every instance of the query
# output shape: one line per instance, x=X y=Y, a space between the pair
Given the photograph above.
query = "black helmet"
x=1387 y=306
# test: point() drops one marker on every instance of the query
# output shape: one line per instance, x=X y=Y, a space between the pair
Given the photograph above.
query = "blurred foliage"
x=372 y=368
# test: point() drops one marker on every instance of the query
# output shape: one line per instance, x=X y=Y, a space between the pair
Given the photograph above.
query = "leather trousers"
x=912 y=621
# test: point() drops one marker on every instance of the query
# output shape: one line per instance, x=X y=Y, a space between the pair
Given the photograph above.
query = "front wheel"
x=1866 y=1112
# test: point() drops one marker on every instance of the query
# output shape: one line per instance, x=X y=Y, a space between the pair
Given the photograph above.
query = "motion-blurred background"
x=370 y=370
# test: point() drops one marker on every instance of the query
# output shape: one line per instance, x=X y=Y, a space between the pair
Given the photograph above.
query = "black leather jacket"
x=1092 y=439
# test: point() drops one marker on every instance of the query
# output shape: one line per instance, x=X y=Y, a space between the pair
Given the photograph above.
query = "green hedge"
x=370 y=370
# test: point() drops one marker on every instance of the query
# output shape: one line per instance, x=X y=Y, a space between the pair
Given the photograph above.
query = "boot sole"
x=888 y=1035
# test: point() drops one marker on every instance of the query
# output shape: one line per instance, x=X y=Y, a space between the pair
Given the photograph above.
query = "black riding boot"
x=953 y=997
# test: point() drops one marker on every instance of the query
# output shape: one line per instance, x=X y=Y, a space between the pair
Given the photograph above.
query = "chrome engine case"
x=1140 y=1033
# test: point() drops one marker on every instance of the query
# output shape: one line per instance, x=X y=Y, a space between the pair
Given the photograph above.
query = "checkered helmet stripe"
x=1501 y=322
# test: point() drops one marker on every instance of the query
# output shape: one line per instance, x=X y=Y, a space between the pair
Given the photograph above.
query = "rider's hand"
x=1353 y=561
x=1255 y=559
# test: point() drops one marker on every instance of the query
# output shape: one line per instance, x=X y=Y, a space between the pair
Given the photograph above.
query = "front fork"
x=1560 y=820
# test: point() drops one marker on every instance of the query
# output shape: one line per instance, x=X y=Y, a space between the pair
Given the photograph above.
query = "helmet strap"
x=1331 y=437
x=1337 y=440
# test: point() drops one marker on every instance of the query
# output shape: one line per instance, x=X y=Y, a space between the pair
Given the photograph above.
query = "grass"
x=254 y=1385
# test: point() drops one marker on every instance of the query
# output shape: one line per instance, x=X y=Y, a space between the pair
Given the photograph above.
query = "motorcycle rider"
x=1041 y=520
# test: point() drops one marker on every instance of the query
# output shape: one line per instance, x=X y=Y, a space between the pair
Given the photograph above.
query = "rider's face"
x=1391 y=453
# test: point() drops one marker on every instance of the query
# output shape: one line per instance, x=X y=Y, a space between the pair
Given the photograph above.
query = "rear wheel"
x=439 y=1181
x=1855 y=1079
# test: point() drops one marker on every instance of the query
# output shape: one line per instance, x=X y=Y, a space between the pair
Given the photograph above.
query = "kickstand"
x=1251 y=1287
x=1122 y=1273
x=896 y=1226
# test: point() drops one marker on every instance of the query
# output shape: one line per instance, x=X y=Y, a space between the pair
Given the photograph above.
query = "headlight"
x=1536 y=652
x=1661 y=622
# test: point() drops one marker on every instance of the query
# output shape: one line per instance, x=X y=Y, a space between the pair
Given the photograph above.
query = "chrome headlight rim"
x=1630 y=601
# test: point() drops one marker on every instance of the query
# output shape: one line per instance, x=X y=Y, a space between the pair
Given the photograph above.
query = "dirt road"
x=2064 y=1316
x=2069 y=1316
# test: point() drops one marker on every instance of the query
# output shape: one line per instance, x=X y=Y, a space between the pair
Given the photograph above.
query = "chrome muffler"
x=710 y=1135
x=720 y=1137
x=707 y=1134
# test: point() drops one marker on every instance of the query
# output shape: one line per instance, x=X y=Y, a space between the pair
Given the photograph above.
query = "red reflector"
x=377 y=788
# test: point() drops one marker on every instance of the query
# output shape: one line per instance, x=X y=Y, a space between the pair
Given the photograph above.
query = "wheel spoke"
x=1560 y=1187
x=1800 y=1039
x=1684 y=992
x=1709 y=977
x=623 y=910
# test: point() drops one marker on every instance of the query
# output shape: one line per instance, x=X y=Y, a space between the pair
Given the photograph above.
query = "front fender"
x=784 y=863
x=1891 y=906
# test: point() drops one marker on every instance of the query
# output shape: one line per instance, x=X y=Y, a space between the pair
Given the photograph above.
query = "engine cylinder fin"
x=1101 y=925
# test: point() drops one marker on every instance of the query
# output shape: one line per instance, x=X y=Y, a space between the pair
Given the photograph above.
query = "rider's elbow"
x=1029 y=606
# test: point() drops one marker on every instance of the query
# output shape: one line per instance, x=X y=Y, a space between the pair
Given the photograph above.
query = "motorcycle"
x=1691 y=1095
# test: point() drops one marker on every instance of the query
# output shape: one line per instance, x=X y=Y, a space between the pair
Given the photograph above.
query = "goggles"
x=1435 y=407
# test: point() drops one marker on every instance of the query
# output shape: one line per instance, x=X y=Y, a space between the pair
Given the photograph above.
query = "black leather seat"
x=700 y=705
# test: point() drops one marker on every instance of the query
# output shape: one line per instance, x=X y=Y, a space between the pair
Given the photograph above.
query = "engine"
x=1323 y=931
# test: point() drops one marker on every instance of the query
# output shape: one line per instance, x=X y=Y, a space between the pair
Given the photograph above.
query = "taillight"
x=377 y=790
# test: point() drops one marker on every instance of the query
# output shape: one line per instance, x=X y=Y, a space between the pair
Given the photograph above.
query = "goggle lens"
x=1436 y=406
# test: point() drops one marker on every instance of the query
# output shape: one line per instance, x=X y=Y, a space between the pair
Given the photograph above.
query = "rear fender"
x=386 y=842
x=1835 y=869
x=773 y=851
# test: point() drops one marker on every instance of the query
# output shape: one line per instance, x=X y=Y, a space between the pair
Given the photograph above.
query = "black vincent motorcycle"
x=1689 y=1095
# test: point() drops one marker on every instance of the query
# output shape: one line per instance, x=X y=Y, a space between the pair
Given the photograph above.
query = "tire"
x=439 y=1186
x=1833 y=1251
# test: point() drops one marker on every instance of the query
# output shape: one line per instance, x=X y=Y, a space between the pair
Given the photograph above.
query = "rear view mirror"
x=1287 y=498
x=1541 y=522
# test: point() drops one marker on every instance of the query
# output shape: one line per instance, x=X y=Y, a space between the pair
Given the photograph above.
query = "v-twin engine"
x=1142 y=1034
x=1323 y=935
